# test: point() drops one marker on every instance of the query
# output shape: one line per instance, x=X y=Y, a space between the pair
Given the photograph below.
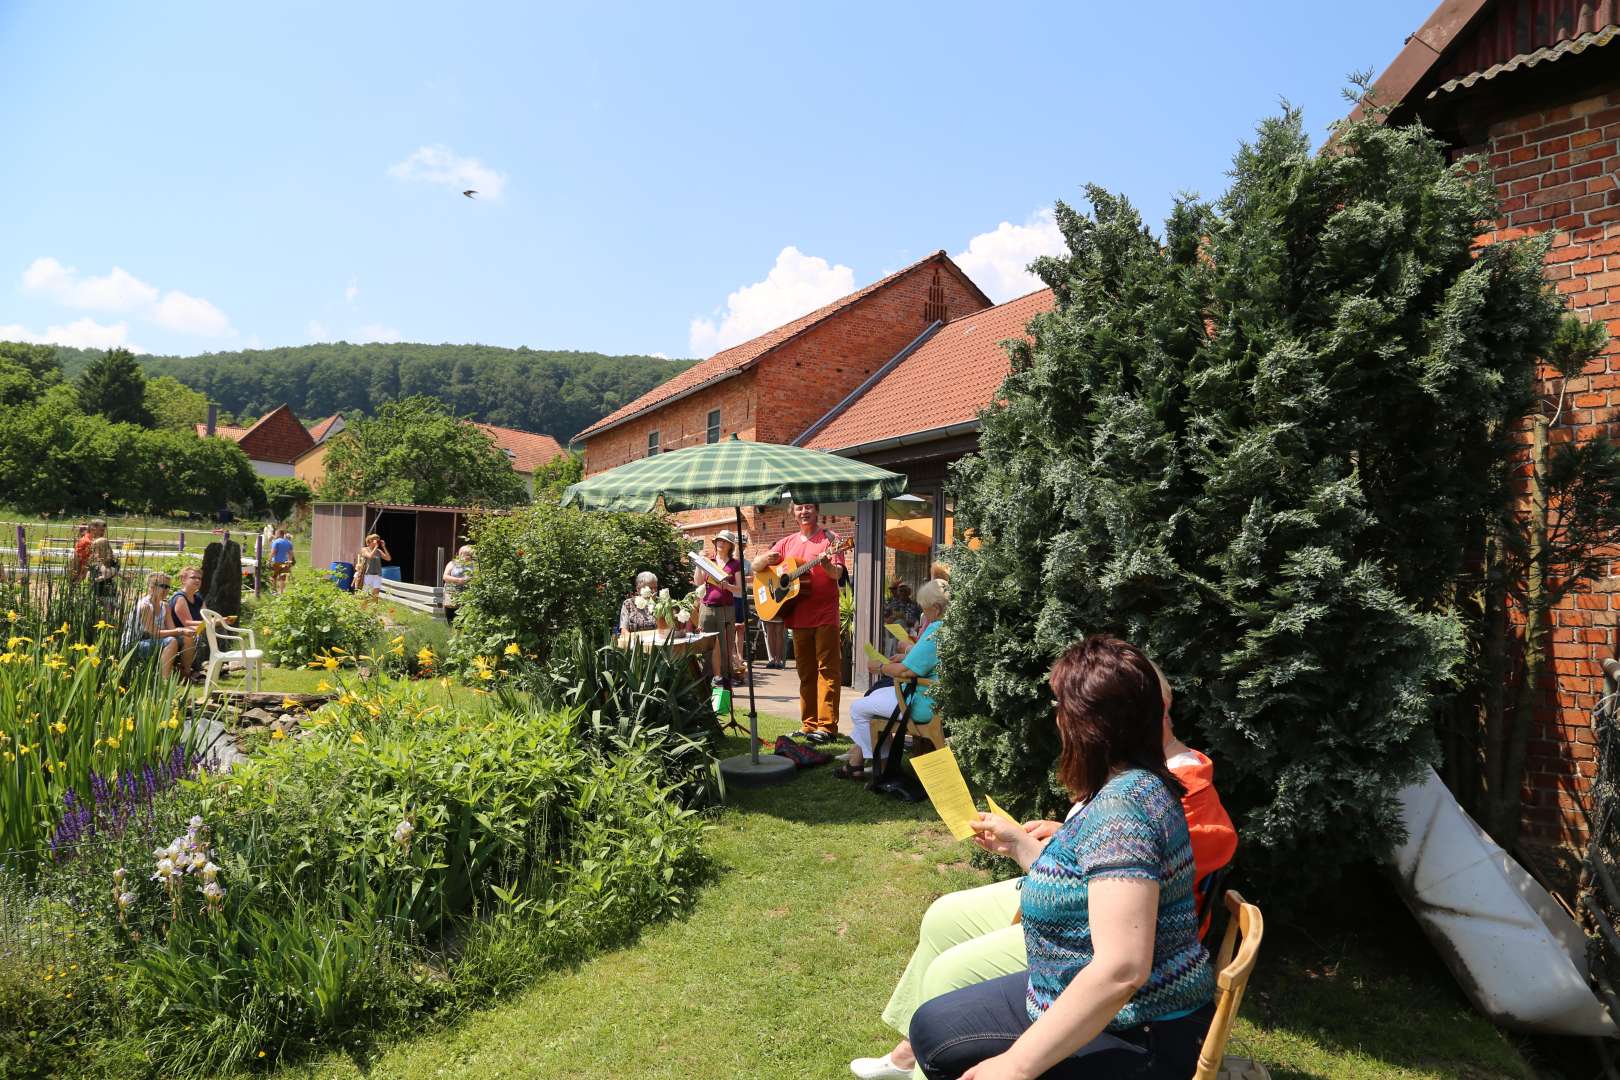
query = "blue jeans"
x=956 y=1031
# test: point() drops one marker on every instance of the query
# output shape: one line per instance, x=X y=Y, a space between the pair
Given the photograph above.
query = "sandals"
x=847 y=771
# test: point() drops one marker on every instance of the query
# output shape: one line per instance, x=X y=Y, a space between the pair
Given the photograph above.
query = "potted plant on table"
x=672 y=614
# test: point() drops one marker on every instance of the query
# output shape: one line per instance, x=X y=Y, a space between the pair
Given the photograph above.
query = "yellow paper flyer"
x=873 y=654
x=942 y=778
x=899 y=634
x=996 y=810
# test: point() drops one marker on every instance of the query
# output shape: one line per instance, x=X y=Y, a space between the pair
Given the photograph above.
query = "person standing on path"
x=368 y=565
x=818 y=646
x=281 y=561
x=81 y=547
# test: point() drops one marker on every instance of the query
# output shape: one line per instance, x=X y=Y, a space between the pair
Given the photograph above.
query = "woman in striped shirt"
x=1118 y=983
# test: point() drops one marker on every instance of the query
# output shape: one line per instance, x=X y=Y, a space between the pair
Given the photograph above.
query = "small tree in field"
x=1262 y=447
x=114 y=386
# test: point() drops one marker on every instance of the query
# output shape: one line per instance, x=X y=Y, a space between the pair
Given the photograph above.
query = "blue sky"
x=655 y=178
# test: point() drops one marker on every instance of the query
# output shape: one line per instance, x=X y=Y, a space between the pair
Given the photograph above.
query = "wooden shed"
x=421 y=538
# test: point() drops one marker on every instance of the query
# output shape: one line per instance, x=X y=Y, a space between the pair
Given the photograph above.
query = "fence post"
x=258 y=561
x=22 y=549
x=182 y=546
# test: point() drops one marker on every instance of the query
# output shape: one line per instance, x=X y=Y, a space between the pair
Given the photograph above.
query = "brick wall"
x=802 y=381
x=1559 y=168
x=789 y=390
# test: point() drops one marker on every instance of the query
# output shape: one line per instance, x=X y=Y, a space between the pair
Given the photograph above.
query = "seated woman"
x=867 y=714
x=636 y=613
x=970 y=936
x=1118 y=982
x=185 y=612
x=149 y=631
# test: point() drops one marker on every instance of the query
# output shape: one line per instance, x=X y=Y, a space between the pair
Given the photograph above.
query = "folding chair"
x=888 y=749
x=1233 y=966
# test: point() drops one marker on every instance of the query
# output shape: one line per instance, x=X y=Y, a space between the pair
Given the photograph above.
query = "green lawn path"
x=783 y=965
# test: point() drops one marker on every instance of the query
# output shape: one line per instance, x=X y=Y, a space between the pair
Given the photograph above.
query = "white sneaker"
x=878 y=1069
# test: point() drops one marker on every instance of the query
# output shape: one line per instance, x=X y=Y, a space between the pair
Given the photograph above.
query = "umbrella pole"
x=748 y=654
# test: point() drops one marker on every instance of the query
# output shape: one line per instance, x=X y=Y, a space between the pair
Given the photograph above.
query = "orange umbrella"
x=914 y=536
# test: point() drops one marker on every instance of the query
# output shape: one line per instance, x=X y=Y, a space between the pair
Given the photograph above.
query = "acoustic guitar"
x=775 y=587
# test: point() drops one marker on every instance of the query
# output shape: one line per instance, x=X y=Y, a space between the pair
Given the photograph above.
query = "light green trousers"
x=966 y=937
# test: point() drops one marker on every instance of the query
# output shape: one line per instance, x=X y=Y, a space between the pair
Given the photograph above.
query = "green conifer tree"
x=1263 y=449
x=114 y=386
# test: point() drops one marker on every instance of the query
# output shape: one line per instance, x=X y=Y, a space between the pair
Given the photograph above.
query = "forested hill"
x=557 y=393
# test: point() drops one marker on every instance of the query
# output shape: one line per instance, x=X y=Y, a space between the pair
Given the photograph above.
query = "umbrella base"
x=740 y=770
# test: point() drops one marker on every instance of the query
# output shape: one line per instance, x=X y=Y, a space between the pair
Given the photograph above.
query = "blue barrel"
x=390 y=573
x=342 y=575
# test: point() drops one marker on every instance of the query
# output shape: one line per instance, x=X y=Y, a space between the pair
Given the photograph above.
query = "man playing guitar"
x=818 y=646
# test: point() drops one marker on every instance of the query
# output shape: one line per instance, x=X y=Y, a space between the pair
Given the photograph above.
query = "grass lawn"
x=783 y=966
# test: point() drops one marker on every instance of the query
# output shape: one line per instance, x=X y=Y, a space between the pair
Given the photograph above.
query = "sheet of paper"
x=872 y=653
x=996 y=810
x=707 y=565
x=941 y=777
x=899 y=634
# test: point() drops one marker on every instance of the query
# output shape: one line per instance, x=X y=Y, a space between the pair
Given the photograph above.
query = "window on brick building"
x=652 y=443
x=713 y=434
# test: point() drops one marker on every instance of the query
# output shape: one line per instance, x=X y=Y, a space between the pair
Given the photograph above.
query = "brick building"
x=272 y=445
x=774 y=387
x=1534 y=86
x=918 y=415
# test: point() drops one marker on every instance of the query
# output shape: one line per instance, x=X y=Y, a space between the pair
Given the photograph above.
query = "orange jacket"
x=1214 y=840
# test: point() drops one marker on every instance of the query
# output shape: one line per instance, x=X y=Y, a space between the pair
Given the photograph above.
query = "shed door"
x=435 y=530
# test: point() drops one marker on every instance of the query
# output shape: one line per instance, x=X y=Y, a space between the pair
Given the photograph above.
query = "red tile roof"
x=224 y=431
x=738 y=358
x=947 y=380
x=319 y=428
x=527 y=449
x=278 y=436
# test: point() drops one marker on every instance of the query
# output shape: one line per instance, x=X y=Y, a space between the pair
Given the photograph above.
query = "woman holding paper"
x=919 y=662
x=1118 y=982
x=720 y=593
x=971 y=936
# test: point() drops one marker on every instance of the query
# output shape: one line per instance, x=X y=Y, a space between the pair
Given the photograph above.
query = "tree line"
x=111 y=441
x=557 y=393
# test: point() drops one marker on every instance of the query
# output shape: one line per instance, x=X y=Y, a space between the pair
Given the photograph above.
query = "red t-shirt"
x=81 y=554
x=817 y=602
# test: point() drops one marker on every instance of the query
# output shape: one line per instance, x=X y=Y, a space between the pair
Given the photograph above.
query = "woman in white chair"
x=867 y=714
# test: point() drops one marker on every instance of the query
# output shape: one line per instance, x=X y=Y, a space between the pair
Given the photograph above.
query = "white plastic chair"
x=219 y=630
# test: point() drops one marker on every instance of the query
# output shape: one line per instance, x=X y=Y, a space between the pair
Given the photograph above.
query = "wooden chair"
x=218 y=630
x=887 y=773
x=1233 y=966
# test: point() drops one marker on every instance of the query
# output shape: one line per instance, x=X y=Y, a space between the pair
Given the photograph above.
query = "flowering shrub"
x=311 y=618
x=545 y=570
x=312 y=895
x=75 y=716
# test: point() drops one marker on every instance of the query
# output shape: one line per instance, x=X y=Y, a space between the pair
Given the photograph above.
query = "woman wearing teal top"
x=1118 y=982
x=920 y=661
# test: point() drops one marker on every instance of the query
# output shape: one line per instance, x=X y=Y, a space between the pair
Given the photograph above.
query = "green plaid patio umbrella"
x=737 y=473
x=734 y=472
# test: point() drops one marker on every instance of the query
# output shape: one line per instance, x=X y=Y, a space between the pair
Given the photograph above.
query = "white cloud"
x=660 y=356
x=440 y=165
x=796 y=285
x=83 y=333
x=118 y=291
x=352 y=291
x=190 y=315
x=122 y=293
x=376 y=332
x=998 y=260
x=316 y=330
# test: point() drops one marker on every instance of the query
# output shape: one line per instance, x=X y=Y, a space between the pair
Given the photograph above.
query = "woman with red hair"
x=1118 y=982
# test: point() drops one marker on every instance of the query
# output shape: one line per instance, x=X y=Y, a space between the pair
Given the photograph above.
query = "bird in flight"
x=470 y=192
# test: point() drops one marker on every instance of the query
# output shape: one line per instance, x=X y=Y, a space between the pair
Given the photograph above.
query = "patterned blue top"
x=922 y=660
x=1133 y=828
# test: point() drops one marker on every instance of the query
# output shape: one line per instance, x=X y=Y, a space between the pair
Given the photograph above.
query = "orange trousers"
x=818 y=655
